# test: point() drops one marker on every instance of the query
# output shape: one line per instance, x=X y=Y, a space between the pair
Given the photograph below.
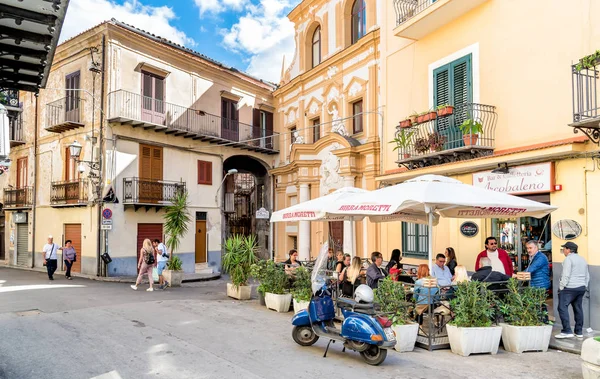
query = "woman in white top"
x=460 y=275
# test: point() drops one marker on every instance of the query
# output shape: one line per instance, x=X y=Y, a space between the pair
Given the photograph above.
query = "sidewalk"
x=570 y=345
x=188 y=278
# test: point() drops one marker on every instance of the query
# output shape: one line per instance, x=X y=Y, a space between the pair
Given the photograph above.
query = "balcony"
x=68 y=194
x=441 y=141
x=15 y=125
x=586 y=109
x=10 y=99
x=151 y=114
x=64 y=114
x=416 y=19
x=18 y=198
x=150 y=193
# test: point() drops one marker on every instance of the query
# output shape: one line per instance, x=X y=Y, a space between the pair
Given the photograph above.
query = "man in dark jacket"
x=375 y=272
x=486 y=275
x=538 y=266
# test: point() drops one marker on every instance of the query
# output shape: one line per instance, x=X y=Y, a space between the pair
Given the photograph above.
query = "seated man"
x=375 y=272
x=441 y=272
x=487 y=275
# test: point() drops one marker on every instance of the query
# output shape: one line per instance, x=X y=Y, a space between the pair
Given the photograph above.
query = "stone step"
x=203 y=268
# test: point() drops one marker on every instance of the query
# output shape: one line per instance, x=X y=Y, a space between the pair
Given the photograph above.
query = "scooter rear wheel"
x=374 y=355
x=304 y=335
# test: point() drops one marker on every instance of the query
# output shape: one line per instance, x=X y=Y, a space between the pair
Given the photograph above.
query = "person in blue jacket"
x=538 y=266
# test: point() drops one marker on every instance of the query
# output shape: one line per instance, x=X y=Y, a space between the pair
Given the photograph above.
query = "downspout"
x=35 y=166
x=271 y=229
x=100 y=157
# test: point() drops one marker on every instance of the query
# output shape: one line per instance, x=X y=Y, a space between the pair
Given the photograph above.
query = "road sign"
x=107 y=214
x=107 y=222
x=105 y=227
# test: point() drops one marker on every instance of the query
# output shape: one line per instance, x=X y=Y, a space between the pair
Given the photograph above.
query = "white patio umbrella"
x=425 y=197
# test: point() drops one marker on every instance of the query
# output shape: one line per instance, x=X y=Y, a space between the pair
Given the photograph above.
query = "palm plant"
x=240 y=255
x=177 y=218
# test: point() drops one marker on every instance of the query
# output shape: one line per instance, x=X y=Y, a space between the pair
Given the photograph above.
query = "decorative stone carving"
x=333 y=94
x=337 y=125
x=291 y=116
x=296 y=139
x=354 y=89
x=330 y=170
x=314 y=108
x=331 y=71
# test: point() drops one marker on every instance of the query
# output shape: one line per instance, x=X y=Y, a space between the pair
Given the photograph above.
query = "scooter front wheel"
x=374 y=355
x=304 y=335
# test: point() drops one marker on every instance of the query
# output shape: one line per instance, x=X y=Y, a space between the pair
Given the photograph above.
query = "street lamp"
x=229 y=172
x=75 y=151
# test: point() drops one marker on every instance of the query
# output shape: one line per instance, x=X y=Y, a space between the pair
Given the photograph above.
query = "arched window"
x=316 y=47
x=359 y=20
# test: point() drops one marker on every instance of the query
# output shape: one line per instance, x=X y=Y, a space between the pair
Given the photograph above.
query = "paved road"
x=91 y=329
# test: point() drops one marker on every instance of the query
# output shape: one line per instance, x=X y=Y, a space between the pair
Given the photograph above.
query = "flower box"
x=406 y=337
x=445 y=111
x=429 y=116
x=300 y=305
x=590 y=355
x=518 y=339
x=279 y=303
x=467 y=341
x=406 y=123
x=239 y=292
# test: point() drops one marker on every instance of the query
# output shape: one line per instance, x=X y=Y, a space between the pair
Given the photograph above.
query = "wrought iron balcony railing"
x=15 y=128
x=64 y=114
x=137 y=110
x=586 y=108
x=150 y=192
x=69 y=193
x=18 y=198
x=440 y=140
x=406 y=9
x=9 y=98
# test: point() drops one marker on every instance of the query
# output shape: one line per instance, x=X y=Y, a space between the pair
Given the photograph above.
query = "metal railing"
x=18 y=197
x=407 y=9
x=68 y=192
x=15 y=121
x=443 y=134
x=149 y=191
x=585 y=93
x=65 y=110
x=9 y=97
x=133 y=106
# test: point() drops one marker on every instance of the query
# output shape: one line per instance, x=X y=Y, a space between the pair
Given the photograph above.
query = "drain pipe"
x=99 y=267
x=35 y=172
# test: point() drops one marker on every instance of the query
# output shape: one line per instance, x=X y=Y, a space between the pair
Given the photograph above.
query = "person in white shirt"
x=162 y=256
x=50 y=257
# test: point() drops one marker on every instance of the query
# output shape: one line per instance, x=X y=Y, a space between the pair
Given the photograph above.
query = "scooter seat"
x=367 y=308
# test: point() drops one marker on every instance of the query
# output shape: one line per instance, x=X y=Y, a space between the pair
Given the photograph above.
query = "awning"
x=29 y=33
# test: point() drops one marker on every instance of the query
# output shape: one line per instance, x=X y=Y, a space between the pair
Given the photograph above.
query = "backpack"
x=149 y=257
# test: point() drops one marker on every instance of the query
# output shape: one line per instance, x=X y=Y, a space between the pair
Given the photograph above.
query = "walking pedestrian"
x=574 y=280
x=145 y=265
x=50 y=257
x=69 y=256
x=162 y=257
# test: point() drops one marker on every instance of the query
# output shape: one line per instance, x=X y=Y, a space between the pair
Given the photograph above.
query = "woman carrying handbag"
x=145 y=265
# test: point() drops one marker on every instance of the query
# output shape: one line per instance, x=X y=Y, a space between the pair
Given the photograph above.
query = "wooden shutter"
x=204 y=172
x=256 y=127
x=71 y=172
x=22 y=172
x=145 y=162
x=269 y=128
x=157 y=163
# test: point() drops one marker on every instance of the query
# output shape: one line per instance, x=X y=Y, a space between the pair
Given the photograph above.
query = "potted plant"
x=523 y=329
x=590 y=355
x=471 y=331
x=276 y=295
x=177 y=218
x=471 y=129
x=413 y=118
x=421 y=145
x=301 y=289
x=258 y=271
x=402 y=141
x=391 y=296
x=406 y=123
x=240 y=254
x=429 y=115
x=444 y=110
x=589 y=61
x=436 y=141
x=421 y=117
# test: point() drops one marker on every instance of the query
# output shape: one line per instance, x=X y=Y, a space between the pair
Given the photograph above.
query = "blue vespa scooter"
x=362 y=329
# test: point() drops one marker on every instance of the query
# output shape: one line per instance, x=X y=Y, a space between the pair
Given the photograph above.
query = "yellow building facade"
x=330 y=116
x=510 y=81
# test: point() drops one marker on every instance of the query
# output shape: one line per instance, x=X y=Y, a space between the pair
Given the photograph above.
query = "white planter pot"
x=518 y=339
x=279 y=303
x=590 y=354
x=175 y=278
x=300 y=305
x=467 y=341
x=239 y=292
x=406 y=336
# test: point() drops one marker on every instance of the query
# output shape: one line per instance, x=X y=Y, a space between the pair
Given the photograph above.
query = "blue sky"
x=251 y=35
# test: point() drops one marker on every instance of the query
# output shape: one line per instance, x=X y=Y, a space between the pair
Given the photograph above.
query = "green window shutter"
x=415 y=240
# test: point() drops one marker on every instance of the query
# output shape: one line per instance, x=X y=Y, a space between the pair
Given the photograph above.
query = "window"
x=72 y=97
x=293 y=134
x=22 y=172
x=229 y=123
x=415 y=240
x=153 y=98
x=316 y=47
x=316 y=129
x=204 y=172
x=357 y=121
x=262 y=128
x=293 y=242
x=452 y=84
x=359 y=20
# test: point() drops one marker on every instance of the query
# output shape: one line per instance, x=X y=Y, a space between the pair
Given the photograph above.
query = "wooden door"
x=336 y=234
x=151 y=174
x=72 y=112
x=150 y=231
x=73 y=233
x=22 y=172
x=153 y=98
x=229 y=122
x=200 y=241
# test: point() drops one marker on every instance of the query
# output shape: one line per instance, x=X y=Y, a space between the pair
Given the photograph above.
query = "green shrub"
x=302 y=289
x=240 y=254
x=391 y=296
x=175 y=264
x=523 y=307
x=473 y=305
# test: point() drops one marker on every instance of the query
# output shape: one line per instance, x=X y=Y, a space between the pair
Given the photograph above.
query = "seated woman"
x=460 y=275
x=292 y=263
x=342 y=264
x=394 y=268
x=424 y=295
x=350 y=277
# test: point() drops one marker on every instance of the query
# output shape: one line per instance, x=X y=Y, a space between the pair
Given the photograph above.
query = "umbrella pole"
x=430 y=238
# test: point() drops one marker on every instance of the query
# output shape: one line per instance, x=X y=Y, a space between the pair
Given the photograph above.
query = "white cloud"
x=217 y=6
x=265 y=34
x=84 y=14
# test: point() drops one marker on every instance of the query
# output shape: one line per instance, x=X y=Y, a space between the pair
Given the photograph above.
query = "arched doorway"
x=244 y=193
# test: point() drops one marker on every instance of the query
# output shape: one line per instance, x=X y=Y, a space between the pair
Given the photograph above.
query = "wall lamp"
x=229 y=172
x=75 y=151
x=502 y=169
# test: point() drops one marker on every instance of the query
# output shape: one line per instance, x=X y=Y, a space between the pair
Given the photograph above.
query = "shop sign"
x=536 y=178
x=469 y=229
x=262 y=213
x=20 y=218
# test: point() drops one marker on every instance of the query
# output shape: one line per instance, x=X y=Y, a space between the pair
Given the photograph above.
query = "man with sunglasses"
x=501 y=262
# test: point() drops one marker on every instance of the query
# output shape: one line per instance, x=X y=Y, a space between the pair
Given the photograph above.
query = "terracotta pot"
x=430 y=116
x=446 y=111
x=470 y=139
x=405 y=124
x=406 y=155
x=420 y=119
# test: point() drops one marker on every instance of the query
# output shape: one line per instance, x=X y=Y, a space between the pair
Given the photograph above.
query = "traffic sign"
x=107 y=214
x=105 y=227
x=107 y=222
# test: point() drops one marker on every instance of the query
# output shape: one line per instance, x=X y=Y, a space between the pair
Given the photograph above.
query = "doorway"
x=201 y=237
x=150 y=231
x=22 y=244
x=73 y=233
x=336 y=235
